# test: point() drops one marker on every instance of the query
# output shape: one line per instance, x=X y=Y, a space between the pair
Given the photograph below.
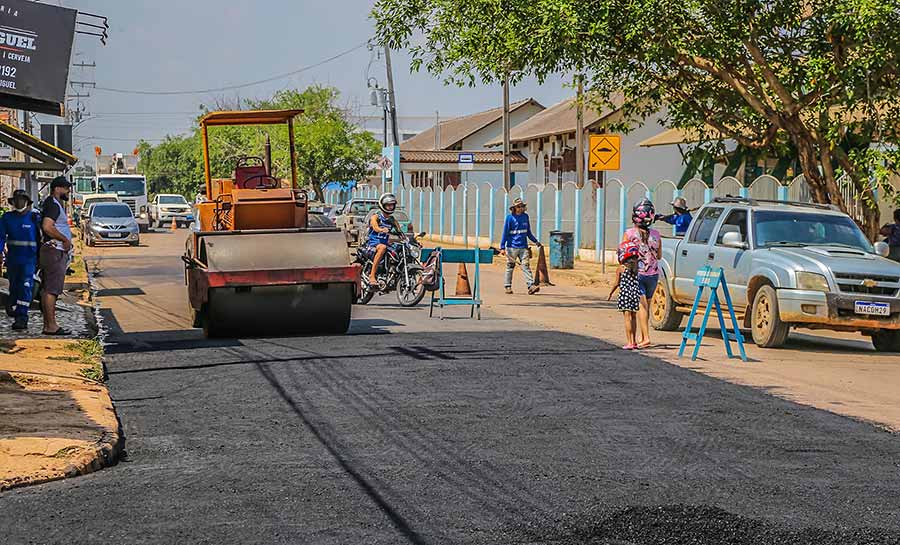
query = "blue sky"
x=161 y=45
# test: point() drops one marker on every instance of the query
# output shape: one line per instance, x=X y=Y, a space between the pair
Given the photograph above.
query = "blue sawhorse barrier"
x=712 y=279
x=476 y=256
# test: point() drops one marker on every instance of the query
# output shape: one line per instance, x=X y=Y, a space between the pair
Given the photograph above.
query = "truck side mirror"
x=734 y=240
x=882 y=249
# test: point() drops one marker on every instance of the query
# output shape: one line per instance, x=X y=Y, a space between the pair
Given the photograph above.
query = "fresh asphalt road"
x=415 y=430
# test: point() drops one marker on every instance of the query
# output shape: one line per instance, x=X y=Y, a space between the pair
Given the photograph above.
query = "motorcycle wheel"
x=410 y=295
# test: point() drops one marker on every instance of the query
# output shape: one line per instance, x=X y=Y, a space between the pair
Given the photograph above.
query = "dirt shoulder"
x=57 y=422
x=837 y=372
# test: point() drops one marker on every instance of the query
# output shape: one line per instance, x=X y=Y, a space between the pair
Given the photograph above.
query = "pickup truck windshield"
x=773 y=228
x=172 y=199
x=128 y=187
x=362 y=208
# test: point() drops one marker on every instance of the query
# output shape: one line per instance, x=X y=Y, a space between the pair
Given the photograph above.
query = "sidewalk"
x=836 y=372
x=57 y=423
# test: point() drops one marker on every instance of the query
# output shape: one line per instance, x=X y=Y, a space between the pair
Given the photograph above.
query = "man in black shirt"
x=54 y=254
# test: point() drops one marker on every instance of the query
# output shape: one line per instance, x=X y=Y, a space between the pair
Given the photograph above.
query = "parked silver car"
x=786 y=264
x=111 y=222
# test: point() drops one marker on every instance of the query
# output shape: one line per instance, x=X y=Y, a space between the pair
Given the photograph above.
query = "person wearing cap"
x=54 y=253
x=514 y=245
x=681 y=219
x=19 y=239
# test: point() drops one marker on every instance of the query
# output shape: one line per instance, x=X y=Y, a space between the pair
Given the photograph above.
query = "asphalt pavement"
x=416 y=430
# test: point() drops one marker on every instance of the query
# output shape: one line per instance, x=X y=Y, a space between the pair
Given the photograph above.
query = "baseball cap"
x=60 y=181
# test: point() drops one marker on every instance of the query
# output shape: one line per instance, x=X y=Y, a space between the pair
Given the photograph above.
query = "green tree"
x=819 y=78
x=329 y=146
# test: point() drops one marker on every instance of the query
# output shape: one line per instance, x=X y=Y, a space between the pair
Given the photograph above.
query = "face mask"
x=64 y=197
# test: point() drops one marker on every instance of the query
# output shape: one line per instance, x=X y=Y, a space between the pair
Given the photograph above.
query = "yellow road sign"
x=605 y=152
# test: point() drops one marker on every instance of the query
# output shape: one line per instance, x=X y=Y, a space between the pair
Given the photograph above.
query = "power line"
x=238 y=86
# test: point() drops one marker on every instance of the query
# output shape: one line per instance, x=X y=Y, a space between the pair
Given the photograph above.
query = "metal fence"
x=477 y=210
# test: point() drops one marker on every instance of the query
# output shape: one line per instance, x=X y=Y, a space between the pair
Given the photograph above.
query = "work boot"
x=11 y=311
x=20 y=324
x=509 y=290
x=533 y=289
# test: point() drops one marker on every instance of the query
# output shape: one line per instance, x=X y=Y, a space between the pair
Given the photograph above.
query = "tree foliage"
x=819 y=80
x=329 y=146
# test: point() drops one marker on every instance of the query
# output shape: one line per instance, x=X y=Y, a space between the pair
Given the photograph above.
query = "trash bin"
x=562 y=250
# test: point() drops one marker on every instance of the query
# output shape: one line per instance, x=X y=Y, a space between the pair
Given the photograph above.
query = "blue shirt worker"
x=514 y=245
x=20 y=237
x=681 y=219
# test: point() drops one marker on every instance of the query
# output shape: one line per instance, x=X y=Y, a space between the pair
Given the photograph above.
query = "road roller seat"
x=249 y=171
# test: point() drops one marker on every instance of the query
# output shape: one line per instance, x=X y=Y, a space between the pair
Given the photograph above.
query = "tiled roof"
x=557 y=119
x=442 y=156
x=456 y=129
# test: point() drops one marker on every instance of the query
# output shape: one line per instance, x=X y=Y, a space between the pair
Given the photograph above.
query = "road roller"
x=253 y=264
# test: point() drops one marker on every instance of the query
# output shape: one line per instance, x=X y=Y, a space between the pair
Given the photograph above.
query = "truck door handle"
x=684 y=253
x=711 y=255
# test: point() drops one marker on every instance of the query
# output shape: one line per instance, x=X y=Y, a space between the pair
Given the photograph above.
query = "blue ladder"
x=708 y=278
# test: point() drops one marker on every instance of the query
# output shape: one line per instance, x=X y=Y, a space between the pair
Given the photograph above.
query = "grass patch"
x=66 y=452
x=90 y=354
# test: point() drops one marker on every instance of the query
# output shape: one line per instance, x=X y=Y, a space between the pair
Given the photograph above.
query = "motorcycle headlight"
x=812 y=281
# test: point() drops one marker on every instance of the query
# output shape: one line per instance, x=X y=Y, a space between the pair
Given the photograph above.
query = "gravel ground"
x=420 y=431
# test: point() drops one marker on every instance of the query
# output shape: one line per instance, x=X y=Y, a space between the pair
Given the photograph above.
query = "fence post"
x=430 y=212
x=452 y=213
x=782 y=192
x=540 y=210
x=557 y=213
x=410 y=204
x=421 y=208
x=600 y=216
x=491 y=214
x=622 y=204
x=477 y=214
x=465 y=215
x=744 y=192
x=675 y=195
x=441 y=213
x=577 y=219
x=708 y=194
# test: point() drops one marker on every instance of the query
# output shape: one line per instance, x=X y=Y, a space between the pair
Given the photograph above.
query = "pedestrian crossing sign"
x=605 y=152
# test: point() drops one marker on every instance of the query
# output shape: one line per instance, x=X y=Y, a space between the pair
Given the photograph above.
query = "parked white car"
x=168 y=207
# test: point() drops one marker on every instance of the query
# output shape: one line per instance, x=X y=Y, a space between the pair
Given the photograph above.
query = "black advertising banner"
x=35 y=51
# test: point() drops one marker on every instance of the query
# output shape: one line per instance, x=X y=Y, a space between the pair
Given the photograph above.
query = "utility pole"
x=579 y=135
x=507 y=174
x=390 y=79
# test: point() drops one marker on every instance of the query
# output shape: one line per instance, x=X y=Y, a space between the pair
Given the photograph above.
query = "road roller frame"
x=252 y=264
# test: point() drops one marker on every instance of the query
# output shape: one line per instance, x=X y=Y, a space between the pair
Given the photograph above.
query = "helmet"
x=643 y=213
x=627 y=250
x=386 y=200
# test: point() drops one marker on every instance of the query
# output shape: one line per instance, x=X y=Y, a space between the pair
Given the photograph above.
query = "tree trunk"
x=317 y=187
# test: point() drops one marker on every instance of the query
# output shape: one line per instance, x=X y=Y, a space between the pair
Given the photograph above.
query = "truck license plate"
x=877 y=309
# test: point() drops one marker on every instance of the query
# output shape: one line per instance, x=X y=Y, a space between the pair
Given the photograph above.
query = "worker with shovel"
x=514 y=245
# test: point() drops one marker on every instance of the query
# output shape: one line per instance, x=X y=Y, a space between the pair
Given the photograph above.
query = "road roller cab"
x=253 y=264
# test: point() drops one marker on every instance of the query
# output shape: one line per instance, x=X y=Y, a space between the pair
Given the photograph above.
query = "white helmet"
x=385 y=200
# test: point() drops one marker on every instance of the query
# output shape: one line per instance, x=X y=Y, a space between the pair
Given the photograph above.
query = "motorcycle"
x=400 y=270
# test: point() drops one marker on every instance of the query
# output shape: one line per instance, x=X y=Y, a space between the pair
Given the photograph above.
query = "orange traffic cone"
x=174 y=225
x=542 y=278
x=462 y=281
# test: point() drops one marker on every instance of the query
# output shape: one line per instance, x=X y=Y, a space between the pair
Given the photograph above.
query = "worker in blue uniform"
x=19 y=241
x=681 y=219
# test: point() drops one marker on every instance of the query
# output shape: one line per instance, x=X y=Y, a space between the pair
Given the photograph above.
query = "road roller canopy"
x=248 y=117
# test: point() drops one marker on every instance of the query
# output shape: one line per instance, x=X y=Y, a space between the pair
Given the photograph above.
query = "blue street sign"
x=466 y=158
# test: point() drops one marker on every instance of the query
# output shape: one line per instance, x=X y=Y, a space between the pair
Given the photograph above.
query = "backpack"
x=431 y=274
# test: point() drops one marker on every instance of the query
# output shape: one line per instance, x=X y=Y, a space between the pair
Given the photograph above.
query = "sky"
x=186 y=45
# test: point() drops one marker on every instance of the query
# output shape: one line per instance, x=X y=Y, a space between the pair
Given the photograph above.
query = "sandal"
x=642 y=346
x=61 y=332
x=629 y=347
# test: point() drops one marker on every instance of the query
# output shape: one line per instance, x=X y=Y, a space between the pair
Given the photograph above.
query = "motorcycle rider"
x=380 y=226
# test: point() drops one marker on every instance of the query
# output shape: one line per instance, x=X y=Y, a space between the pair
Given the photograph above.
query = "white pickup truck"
x=168 y=208
x=787 y=265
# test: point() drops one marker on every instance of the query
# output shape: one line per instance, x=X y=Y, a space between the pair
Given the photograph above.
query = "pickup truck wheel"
x=768 y=329
x=663 y=316
x=886 y=341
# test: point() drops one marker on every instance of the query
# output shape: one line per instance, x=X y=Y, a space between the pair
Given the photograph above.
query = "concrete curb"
x=111 y=445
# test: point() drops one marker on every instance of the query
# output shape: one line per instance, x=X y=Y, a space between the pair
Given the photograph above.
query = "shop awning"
x=45 y=156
